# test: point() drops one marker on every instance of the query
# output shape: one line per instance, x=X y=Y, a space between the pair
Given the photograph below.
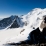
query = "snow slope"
x=32 y=20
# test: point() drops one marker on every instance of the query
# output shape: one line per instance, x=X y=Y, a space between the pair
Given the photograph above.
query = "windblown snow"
x=31 y=20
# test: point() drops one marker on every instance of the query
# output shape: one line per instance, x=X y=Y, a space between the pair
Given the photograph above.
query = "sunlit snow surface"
x=33 y=19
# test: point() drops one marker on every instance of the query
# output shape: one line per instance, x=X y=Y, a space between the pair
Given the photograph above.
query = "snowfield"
x=32 y=20
x=5 y=35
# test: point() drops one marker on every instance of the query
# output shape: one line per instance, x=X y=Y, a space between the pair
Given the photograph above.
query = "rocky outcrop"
x=43 y=23
x=37 y=36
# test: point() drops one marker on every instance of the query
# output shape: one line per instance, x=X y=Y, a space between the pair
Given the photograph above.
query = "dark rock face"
x=37 y=37
x=44 y=33
x=14 y=25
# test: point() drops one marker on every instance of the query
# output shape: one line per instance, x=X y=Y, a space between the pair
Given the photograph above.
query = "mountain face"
x=5 y=22
x=17 y=23
x=10 y=22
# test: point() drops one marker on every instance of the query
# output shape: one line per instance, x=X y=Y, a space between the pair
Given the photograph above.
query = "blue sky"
x=19 y=7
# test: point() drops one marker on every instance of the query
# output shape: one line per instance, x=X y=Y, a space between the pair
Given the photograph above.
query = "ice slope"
x=33 y=20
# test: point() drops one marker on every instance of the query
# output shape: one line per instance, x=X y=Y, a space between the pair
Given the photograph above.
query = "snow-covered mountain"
x=11 y=22
x=26 y=24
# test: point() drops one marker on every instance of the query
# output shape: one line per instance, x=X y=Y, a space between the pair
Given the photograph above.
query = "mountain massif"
x=31 y=28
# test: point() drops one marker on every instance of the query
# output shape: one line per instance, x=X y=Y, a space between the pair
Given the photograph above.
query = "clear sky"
x=19 y=7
